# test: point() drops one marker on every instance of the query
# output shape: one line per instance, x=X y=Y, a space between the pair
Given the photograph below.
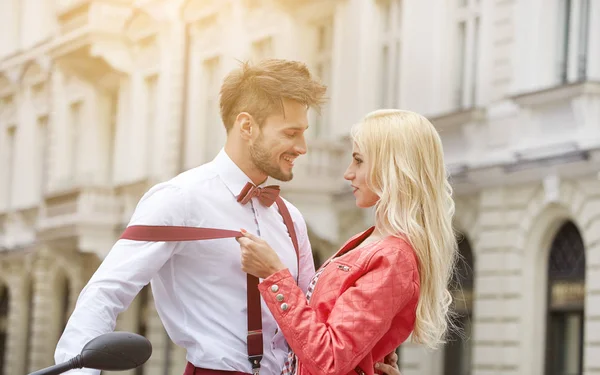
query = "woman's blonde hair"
x=408 y=174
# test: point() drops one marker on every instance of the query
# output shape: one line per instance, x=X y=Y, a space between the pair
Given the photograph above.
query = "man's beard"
x=262 y=159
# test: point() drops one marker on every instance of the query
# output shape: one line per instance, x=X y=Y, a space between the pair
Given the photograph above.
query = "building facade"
x=512 y=85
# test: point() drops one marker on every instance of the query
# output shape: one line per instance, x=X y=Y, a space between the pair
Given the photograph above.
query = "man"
x=198 y=286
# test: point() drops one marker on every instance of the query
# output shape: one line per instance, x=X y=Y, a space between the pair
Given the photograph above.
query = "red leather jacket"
x=362 y=308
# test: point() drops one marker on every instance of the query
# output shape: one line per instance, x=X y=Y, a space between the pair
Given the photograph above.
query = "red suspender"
x=178 y=233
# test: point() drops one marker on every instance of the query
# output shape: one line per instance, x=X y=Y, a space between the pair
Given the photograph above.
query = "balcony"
x=16 y=233
x=91 y=42
x=76 y=17
x=85 y=215
x=321 y=169
x=129 y=197
x=293 y=5
x=561 y=114
x=3 y=236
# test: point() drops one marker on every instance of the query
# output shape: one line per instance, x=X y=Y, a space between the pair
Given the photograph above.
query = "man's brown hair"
x=260 y=89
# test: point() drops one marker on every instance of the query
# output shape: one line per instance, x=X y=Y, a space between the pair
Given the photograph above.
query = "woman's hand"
x=390 y=367
x=258 y=258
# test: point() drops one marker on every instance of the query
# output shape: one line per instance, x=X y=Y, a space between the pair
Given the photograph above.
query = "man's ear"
x=246 y=124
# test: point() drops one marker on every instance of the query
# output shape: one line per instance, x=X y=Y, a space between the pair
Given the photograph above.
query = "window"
x=10 y=162
x=42 y=150
x=4 y=306
x=65 y=303
x=113 y=119
x=151 y=84
x=572 y=40
x=566 y=295
x=30 y=321
x=466 y=33
x=262 y=49
x=391 y=17
x=322 y=67
x=142 y=319
x=457 y=352
x=75 y=133
x=12 y=26
x=214 y=131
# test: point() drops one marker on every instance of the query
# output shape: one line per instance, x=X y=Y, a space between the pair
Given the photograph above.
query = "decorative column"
x=56 y=160
x=498 y=301
x=169 y=112
x=593 y=42
x=127 y=321
x=159 y=362
x=18 y=321
x=589 y=219
x=45 y=316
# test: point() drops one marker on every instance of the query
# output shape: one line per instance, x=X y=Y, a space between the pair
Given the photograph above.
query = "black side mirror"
x=116 y=351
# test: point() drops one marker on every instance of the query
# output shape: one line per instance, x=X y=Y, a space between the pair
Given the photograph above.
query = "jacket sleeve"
x=359 y=318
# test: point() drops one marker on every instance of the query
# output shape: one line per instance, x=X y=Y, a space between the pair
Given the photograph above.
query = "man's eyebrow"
x=298 y=127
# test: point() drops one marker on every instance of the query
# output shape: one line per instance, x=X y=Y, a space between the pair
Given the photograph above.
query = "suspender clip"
x=255 y=361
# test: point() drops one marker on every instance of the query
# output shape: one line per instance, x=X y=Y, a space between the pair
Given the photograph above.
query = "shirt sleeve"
x=360 y=316
x=128 y=267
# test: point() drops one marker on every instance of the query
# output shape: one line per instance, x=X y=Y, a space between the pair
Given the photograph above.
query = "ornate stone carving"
x=141 y=25
x=92 y=44
x=194 y=10
x=8 y=109
x=7 y=84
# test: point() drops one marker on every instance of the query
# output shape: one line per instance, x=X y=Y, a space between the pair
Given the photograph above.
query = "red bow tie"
x=266 y=195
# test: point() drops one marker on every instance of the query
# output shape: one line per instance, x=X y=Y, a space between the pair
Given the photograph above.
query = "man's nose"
x=301 y=146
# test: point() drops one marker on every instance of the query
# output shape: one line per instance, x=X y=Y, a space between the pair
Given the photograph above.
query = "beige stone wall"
x=511 y=229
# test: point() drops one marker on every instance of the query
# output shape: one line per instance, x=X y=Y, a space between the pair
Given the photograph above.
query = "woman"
x=385 y=283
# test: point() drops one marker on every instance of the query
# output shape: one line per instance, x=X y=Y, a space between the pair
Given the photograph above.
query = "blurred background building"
x=100 y=99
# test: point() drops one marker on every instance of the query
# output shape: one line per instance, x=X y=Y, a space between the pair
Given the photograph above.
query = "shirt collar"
x=233 y=177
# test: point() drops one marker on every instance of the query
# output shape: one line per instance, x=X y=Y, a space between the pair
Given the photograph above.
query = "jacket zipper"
x=343 y=267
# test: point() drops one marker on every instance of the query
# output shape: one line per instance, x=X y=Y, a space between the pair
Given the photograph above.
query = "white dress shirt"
x=199 y=288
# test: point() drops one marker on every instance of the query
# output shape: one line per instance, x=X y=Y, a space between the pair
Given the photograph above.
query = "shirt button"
x=284 y=306
x=279 y=297
x=274 y=288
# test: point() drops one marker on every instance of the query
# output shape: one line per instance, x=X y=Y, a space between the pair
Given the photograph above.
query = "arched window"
x=66 y=294
x=4 y=303
x=142 y=319
x=566 y=294
x=61 y=303
x=457 y=351
x=29 y=316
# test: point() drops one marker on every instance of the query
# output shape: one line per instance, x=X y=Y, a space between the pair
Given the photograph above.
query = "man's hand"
x=258 y=258
x=390 y=365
